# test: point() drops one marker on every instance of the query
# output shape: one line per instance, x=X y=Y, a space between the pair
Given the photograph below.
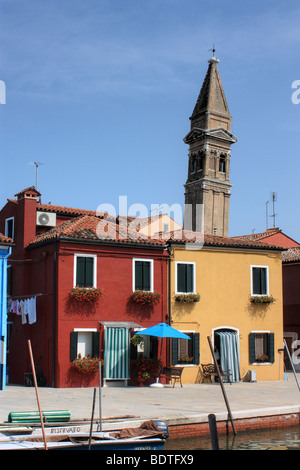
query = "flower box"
x=145 y=297
x=262 y=299
x=86 y=294
x=187 y=298
x=86 y=365
x=262 y=358
x=185 y=359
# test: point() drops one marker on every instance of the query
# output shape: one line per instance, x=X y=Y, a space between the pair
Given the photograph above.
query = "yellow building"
x=232 y=277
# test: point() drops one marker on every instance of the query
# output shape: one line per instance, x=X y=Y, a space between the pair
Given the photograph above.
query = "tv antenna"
x=267 y=216
x=274 y=199
x=36 y=171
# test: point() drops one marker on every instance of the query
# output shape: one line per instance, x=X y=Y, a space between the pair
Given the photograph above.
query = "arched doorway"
x=226 y=345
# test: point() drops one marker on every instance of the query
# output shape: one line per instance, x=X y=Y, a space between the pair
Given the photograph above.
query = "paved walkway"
x=191 y=403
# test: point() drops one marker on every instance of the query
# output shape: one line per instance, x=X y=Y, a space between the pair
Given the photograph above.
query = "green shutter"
x=80 y=271
x=189 y=278
x=263 y=281
x=181 y=277
x=196 y=348
x=252 y=347
x=271 y=347
x=146 y=275
x=153 y=347
x=142 y=275
x=138 y=275
x=73 y=345
x=174 y=357
x=185 y=277
x=89 y=272
x=95 y=344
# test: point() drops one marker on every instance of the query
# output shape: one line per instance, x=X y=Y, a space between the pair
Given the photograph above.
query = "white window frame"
x=192 y=364
x=261 y=332
x=13 y=227
x=194 y=276
x=81 y=255
x=251 y=279
x=84 y=330
x=151 y=273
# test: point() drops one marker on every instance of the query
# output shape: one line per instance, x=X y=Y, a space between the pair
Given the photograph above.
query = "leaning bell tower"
x=208 y=188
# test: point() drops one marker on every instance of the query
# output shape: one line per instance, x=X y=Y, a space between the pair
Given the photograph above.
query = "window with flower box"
x=85 y=270
x=261 y=347
x=185 y=351
x=259 y=280
x=185 y=274
x=142 y=274
x=84 y=342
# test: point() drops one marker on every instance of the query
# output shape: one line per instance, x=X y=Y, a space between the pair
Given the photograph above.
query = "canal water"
x=266 y=439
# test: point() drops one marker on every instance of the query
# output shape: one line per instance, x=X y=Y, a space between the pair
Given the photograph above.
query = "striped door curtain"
x=116 y=353
x=229 y=353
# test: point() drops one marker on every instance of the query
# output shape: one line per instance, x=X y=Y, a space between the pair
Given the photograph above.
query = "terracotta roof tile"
x=187 y=236
x=92 y=228
x=291 y=255
x=6 y=240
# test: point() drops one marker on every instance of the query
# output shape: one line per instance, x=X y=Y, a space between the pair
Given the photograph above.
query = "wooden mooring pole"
x=213 y=432
x=37 y=393
x=222 y=385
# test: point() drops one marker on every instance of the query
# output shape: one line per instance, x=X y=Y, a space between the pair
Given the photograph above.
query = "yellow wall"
x=223 y=282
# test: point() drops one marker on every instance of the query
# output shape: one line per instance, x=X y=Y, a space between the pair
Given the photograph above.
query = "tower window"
x=222 y=164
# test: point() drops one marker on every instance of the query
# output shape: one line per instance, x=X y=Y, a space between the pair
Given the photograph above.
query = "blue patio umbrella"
x=163 y=330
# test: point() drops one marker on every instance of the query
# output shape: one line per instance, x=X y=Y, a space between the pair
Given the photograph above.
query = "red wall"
x=114 y=277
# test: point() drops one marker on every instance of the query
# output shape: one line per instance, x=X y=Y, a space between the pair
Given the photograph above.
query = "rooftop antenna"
x=267 y=214
x=274 y=199
x=36 y=171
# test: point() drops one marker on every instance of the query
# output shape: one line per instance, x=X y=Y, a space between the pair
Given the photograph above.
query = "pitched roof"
x=187 y=236
x=4 y=240
x=92 y=228
x=273 y=235
x=63 y=210
x=292 y=255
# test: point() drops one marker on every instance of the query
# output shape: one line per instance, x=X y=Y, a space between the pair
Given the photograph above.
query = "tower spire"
x=209 y=141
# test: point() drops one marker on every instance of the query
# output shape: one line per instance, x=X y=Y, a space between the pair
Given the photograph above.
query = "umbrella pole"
x=157 y=384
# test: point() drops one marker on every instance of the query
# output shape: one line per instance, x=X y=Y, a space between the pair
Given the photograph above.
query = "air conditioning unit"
x=252 y=375
x=46 y=219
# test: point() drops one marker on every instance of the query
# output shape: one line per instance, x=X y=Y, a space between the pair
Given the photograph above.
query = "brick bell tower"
x=208 y=187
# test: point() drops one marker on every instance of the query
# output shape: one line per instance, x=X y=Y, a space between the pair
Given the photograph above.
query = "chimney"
x=26 y=218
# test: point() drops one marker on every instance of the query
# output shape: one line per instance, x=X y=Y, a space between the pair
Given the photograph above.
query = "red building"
x=59 y=248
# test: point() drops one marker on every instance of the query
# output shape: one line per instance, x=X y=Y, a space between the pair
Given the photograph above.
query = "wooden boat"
x=151 y=435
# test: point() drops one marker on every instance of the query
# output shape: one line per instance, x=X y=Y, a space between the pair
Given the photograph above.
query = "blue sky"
x=101 y=92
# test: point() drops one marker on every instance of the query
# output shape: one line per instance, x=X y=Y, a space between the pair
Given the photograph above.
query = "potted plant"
x=145 y=297
x=262 y=299
x=187 y=298
x=142 y=377
x=146 y=368
x=86 y=365
x=86 y=294
x=137 y=340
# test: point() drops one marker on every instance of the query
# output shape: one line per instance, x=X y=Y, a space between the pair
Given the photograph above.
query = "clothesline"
x=27 y=296
x=26 y=308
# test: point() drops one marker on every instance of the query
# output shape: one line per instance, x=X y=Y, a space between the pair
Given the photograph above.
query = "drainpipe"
x=170 y=250
x=54 y=277
x=3 y=318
